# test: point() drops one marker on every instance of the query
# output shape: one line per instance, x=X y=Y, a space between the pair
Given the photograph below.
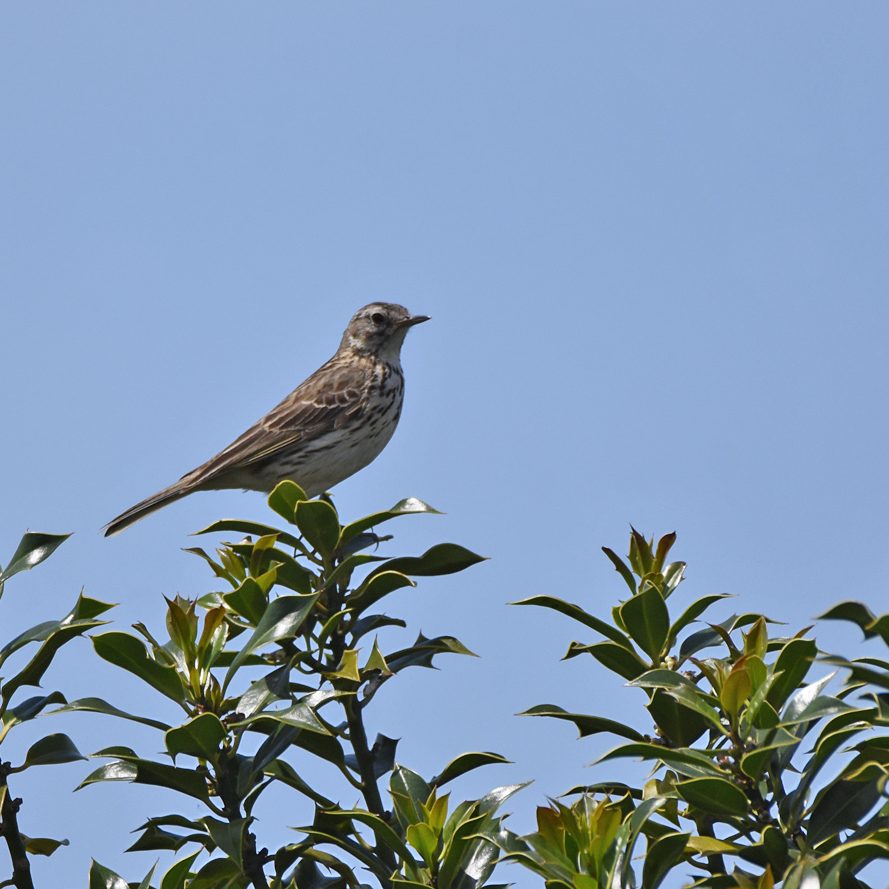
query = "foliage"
x=44 y=640
x=274 y=675
x=760 y=774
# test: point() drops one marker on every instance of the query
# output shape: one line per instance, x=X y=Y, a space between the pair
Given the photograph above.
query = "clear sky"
x=653 y=241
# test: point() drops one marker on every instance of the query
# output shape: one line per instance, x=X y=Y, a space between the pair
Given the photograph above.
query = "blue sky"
x=652 y=239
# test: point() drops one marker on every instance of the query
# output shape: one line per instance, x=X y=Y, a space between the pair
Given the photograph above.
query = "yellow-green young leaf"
x=348 y=666
x=436 y=811
x=757 y=670
x=736 y=689
x=756 y=638
x=766 y=881
x=42 y=845
x=376 y=661
x=709 y=846
x=285 y=498
x=425 y=840
x=259 y=555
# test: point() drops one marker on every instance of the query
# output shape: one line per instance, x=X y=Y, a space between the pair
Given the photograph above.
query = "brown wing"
x=324 y=402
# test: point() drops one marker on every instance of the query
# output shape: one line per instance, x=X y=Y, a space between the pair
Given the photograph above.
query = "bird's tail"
x=150 y=504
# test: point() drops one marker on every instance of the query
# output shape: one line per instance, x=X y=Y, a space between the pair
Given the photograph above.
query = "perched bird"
x=328 y=428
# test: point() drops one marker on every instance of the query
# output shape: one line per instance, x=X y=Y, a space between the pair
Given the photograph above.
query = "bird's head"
x=379 y=329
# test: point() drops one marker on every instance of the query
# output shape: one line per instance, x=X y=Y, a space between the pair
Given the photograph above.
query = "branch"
x=9 y=826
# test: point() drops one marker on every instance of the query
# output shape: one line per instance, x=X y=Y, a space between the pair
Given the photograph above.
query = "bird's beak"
x=414 y=319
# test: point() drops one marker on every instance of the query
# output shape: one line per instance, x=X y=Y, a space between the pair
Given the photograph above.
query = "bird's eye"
x=377 y=318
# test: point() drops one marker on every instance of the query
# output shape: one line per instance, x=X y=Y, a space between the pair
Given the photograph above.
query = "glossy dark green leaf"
x=694 y=699
x=178 y=873
x=281 y=620
x=323 y=746
x=821 y=707
x=381 y=829
x=613 y=656
x=464 y=763
x=854 y=612
x=274 y=686
x=32 y=707
x=129 y=653
x=372 y=622
x=857 y=853
x=300 y=715
x=793 y=663
x=248 y=600
x=307 y=874
x=143 y=771
x=578 y=614
x=693 y=612
x=282 y=771
x=52 y=635
x=97 y=705
x=421 y=653
x=37 y=633
x=228 y=836
x=641 y=556
x=676 y=758
x=32 y=550
x=840 y=806
x=718 y=796
x=51 y=750
x=704 y=638
x=755 y=762
x=621 y=567
x=105 y=878
x=319 y=525
x=382 y=755
x=646 y=618
x=662 y=855
x=378 y=585
x=215 y=567
x=155 y=838
x=257 y=529
x=408 y=506
x=444 y=558
x=586 y=725
x=284 y=499
x=200 y=737
x=679 y=725
x=289 y=572
x=407 y=785
x=218 y=873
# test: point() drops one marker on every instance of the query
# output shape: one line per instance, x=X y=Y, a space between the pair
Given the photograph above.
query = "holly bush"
x=768 y=757
x=761 y=775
